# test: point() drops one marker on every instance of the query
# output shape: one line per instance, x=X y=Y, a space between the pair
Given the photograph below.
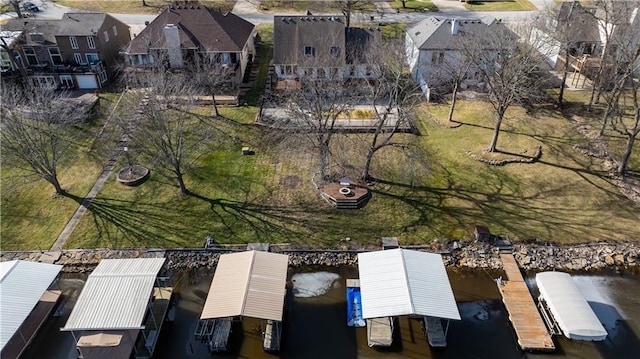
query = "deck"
x=357 y=196
x=380 y=332
x=523 y=313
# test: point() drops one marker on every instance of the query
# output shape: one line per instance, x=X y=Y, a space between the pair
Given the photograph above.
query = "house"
x=433 y=51
x=187 y=34
x=322 y=47
x=79 y=51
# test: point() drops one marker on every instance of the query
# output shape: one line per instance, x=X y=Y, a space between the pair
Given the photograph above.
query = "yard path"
x=104 y=175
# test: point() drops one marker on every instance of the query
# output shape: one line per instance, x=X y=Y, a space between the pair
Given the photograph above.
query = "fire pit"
x=345 y=191
x=133 y=175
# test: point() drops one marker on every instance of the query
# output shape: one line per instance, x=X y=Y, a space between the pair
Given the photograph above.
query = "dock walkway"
x=523 y=313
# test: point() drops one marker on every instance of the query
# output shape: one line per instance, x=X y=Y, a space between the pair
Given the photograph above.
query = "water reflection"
x=315 y=325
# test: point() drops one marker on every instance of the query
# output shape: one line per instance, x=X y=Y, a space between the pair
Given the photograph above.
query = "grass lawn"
x=32 y=215
x=135 y=6
x=429 y=190
x=316 y=7
x=416 y=5
x=509 y=5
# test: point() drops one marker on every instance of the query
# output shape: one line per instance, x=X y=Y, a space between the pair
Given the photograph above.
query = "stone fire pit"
x=133 y=175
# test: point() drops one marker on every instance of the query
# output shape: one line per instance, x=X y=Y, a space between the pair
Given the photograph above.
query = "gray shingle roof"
x=291 y=34
x=435 y=33
x=198 y=27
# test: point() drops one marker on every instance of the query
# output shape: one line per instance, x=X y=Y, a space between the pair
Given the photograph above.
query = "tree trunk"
x=631 y=139
x=564 y=77
x=324 y=158
x=215 y=105
x=496 y=132
x=56 y=184
x=607 y=113
x=404 y=4
x=183 y=187
x=144 y=3
x=367 y=163
x=453 y=100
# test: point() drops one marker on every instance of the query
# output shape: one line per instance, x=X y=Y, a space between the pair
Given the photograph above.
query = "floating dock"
x=354 y=304
x=436 y=335
x=523 y=313
x=271 y=336
x=380 y=332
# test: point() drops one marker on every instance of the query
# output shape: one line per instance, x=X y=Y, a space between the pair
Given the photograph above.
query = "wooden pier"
x=380 y=332
x=523 y=313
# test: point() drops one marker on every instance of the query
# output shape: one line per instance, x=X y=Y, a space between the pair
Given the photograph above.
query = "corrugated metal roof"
x=115 y=295
x=248 y=284
x=568 y=306
x=405 y=282
x=22 y=284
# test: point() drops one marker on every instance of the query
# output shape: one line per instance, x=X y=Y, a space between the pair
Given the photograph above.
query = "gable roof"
x=436 y=33
x=71 y=24
x=250 y=283
x=580 y=18
x=198 y=27
x=358 y=40
x=292 y=33
x=22 y=284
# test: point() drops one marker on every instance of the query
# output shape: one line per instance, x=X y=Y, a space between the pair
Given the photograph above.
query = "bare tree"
x=37 y=130
x=508 y=67
x=570 y=27
x=348 y=7
x=16 y=7
x=212 y=76
x=393 y=97
x=168 y=132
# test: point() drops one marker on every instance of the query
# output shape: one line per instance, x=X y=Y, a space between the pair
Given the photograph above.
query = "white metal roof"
x=568 y=306
x=22 y=284
x=251 y=283
x=116 y=295
x=405 y=282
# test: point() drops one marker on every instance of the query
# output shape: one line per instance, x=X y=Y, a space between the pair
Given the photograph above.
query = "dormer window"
x=36 y=37
x=309 y=51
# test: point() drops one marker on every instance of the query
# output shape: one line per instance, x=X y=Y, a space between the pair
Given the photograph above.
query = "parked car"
x=29 y=6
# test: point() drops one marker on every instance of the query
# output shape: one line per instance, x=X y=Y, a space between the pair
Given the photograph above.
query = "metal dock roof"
x=22 y=284
x=116 y=295
x=405 y=282
x=569 y=307
x=251 y=283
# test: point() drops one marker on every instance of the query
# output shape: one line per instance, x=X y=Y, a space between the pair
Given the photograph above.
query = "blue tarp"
x=354 y=308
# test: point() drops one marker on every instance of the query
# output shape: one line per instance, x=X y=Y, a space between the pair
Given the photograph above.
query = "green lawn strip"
x=512 y=5
x=135 y=6
x=265 y=54
x=32 y=215
x=315 y=7
x=412 y=6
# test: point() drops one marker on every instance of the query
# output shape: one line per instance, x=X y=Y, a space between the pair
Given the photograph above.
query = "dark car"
x=29 y=6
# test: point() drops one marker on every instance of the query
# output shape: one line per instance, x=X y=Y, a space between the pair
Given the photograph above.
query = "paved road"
x=248 y=11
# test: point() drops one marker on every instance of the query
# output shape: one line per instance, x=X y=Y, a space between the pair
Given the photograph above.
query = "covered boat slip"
x=119 y=309
x=399 y=282
x=25 y=302
x=251 y=284
x=568 y=307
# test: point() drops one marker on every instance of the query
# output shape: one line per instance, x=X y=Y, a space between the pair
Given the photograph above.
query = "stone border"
x=472 y=255
x=536 y=156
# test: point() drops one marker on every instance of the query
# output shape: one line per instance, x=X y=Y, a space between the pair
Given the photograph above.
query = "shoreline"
x=471 y=255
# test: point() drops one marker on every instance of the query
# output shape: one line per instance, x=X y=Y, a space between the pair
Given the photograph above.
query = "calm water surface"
x=315 y=327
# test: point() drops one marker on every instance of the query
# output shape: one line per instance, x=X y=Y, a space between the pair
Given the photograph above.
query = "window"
x=106 y=36
x=55 y=55
x=103 y=77
x=66 y=81
x=144 y=59
x=5 y=60
x=91 y=42
x=44 y=82
x=92 y=58
x=437 y=57
x=335 y=51
x=309 y=51
x=74 y=42
x=115 y=30
x=30 y=55
x=78 y=58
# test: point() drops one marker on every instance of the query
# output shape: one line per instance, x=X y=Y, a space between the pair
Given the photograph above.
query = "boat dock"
x=380 y=332
x=272 y=335
x=435 y=333
x=524 y=316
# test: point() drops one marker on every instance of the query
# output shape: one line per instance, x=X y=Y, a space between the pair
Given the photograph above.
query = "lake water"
x=315 y=321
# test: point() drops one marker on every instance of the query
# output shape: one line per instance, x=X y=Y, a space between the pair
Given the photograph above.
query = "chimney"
x=454 y=27
x=172 y=39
